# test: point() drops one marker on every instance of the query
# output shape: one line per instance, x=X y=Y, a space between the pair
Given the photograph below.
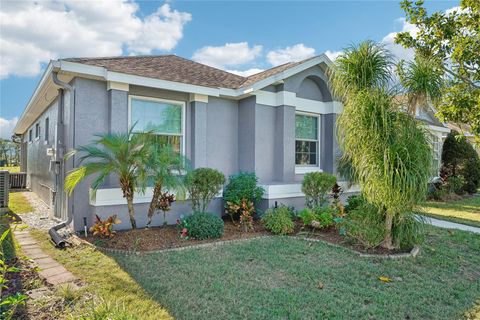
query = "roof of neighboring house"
x=177 y=69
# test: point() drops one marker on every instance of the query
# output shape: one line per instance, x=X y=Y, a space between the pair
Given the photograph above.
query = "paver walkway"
x=450 y=225
x=53 y=272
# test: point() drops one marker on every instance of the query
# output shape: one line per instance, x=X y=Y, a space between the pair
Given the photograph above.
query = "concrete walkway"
x=53 y=272
x=450 y=225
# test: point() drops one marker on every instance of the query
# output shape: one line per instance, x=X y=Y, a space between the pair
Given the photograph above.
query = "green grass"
x=466 y=211
x=277 y=278
x=18 y=203
x=11 y=169
x=105 y=279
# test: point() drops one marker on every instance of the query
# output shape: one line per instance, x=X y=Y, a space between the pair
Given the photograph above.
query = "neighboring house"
x=279 y=123
x=438 y=133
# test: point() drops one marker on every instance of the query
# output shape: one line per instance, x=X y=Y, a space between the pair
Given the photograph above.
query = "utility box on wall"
x=4 y=190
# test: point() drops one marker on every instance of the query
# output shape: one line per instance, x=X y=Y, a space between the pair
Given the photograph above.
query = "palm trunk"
x=388 y=241
x=131 y=211
x=157 y=190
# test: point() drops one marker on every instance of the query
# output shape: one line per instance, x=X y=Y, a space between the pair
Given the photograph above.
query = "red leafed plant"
x=104 y=228
x=164 y=203
x=246 y=209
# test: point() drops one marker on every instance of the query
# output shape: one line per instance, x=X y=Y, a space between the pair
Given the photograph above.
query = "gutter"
x=58 y=240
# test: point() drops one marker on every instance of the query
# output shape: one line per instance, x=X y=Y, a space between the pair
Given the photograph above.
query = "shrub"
x=455 y=184
x=245 y=209
x=408 y=231
x=354 y=202
x=104 y=228
x=459 y=158
x=203 y=184
x=320 y=217
x=278 y=220
x=472 y=171
x=366 y=225
x=315 y=186
x=202 y=225
x=243 y=186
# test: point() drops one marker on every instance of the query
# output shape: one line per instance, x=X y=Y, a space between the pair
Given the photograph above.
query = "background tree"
x=459 y=159
x=454 y=39
x=120 y=154
x=387 y=148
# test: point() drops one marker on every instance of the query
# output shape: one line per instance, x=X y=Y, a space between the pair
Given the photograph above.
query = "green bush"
x=319 y=217
x=279 y=220
x=203 y=184
x=366 y=225
x=459 y=158
x=316 y=186
x=455 y=184
x=203 y=225
x=472 y=169
x=243 y=186
x=408 y=231
x=354 y=202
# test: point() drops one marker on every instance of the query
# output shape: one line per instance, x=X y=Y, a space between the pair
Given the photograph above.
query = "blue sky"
x=243 y=36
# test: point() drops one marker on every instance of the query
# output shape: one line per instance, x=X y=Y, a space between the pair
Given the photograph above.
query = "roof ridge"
x=121 y=57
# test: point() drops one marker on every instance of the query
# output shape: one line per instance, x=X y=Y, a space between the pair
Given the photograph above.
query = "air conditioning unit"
x=4 y=189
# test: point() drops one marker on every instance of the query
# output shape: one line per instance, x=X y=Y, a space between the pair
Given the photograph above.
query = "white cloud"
x=230 y=54
x=398 y=50
x=294 y=53
x=33 y=32
x=333 y=55
x=6 y=127
x=246 y=73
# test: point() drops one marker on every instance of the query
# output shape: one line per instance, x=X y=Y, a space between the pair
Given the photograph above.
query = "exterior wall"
x=39 y=177
x=178 y=210
x=228 y=135
x=222 y=135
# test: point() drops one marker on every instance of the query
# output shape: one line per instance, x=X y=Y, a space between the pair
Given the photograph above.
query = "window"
x=30 y=135
x=37 y=130
x=436 y=153
x=47 y=127
x=306 y=140
x=163 y=117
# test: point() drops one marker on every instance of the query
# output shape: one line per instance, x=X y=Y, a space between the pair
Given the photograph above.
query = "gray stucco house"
x=279 y=123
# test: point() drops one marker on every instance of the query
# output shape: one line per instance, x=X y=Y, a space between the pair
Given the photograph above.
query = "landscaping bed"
x=168 y=237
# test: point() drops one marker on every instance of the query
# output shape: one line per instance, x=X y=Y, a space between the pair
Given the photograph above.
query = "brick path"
x=53 y=272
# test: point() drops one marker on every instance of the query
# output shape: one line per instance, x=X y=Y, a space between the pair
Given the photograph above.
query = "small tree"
x=120 y=154
x=316 y=186
x=203 y=184
x=166 y=170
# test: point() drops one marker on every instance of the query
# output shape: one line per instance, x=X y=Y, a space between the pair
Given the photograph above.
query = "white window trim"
x=175 y=102
x=299 y=169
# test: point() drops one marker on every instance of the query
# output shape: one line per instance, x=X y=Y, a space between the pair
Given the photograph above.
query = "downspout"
x=59 y=241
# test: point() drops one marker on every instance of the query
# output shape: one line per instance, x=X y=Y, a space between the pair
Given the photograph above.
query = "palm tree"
x=165 y=169
x=121 y=154
x=422 y=79
x=387 y=149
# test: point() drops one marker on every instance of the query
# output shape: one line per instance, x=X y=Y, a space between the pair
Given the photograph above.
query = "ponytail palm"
x=387 y=149
x=120 y=154
x=422 y=79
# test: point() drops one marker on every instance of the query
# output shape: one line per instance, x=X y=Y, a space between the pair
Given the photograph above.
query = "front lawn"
x=285 y=278
x=18 y=203
x=466 y=211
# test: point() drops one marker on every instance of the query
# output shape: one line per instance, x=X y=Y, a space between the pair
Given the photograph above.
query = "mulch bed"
x=167 y=237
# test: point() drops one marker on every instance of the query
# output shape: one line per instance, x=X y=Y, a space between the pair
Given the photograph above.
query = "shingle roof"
x=177 y=69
